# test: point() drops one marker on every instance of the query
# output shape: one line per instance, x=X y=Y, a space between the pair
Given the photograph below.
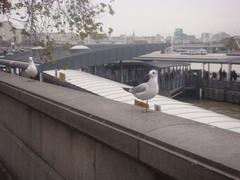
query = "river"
x=232 y=110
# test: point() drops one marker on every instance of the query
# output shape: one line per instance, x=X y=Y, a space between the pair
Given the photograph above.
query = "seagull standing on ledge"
x=31 y=71
x=148 y=90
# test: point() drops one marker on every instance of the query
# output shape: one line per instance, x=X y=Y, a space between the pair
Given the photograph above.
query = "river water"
x=229 y=109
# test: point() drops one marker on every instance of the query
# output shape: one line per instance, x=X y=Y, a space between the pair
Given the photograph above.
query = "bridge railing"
x=217 y=84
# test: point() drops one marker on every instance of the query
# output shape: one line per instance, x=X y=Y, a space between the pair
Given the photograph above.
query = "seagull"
x=147 y=90
x=31 y=71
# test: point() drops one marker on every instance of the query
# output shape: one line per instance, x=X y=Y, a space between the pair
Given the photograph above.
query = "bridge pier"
x=229 y=71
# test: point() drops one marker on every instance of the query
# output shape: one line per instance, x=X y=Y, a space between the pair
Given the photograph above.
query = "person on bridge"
x=234 y=75
x=220 y=74
x=224 y=75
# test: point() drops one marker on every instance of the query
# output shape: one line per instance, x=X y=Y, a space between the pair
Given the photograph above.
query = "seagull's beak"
x=147 y=76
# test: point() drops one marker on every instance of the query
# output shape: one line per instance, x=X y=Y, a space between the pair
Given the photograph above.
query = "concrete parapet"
x=58 y=133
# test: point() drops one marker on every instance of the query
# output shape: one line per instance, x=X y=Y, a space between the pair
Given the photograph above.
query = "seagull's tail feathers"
x=127 y=89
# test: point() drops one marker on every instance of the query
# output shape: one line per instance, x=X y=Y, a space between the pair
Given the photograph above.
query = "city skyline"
x=162 y=17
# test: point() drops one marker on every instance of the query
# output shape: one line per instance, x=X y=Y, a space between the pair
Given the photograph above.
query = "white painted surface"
x=113 y=90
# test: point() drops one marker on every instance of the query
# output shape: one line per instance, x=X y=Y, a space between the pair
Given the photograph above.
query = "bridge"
x=52 y=132
x=208 y=46
x=97 y=55
x=114 y=53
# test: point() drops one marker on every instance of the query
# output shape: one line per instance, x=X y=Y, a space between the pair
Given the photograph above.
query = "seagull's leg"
x=146 y=105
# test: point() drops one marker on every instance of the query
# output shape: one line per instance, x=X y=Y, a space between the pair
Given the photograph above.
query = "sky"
x=152 y=17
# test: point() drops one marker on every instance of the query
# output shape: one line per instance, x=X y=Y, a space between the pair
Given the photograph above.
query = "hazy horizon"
x=153 y=17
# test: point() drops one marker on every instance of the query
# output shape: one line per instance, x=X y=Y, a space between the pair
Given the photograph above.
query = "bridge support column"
x=229 y=71
x=209 y=67
x=121 y=71
x=203 y=70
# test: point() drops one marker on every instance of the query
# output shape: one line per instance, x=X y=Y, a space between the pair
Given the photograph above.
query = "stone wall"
x=52 y=132
x=40 y=147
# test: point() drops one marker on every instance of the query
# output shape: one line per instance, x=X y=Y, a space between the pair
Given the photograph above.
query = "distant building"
x=178 y=33
x=205 y=37
x=188 y=39
x=148 y=39
x=62 y=38
x=181 y=38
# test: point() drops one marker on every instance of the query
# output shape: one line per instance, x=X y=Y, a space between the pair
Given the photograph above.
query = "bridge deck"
x=210 y=58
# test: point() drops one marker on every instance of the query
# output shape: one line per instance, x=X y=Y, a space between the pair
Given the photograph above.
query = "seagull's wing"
x=138 y=89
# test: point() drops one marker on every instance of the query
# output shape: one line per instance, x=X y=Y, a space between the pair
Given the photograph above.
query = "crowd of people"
x=221 y=75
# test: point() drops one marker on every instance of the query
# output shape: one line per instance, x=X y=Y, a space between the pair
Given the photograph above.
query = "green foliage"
x=229 y=43
x=48 y=48
x=232 y=44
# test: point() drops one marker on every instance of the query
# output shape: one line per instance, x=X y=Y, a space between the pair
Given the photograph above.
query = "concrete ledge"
x=180 y=148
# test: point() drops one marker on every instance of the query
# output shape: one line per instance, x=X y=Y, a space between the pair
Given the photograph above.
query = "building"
x=205 y=37
x=181 y=38
x=62 y=38
x=179 y=33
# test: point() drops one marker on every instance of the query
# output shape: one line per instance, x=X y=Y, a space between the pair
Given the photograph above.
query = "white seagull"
x=148 y=90
x=31 y=71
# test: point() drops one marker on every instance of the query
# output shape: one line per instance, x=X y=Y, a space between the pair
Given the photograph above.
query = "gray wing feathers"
x=138 y=89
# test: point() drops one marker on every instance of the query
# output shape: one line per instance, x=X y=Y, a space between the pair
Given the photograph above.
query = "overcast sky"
x=151 y=17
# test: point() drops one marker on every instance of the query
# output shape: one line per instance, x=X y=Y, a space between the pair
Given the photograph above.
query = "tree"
x=110 y=31
x=229 y=43
x=4 y=6
x=41 y=17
